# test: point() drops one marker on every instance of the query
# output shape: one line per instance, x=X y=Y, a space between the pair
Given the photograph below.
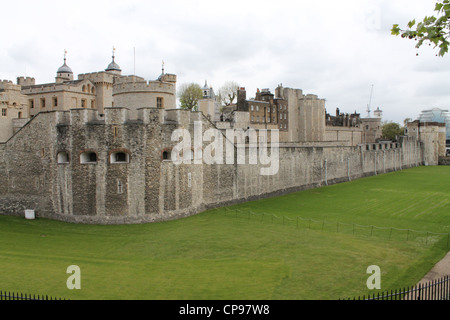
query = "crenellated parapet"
x=83 y=116
x=134 y=92
x=122 y=116
x=142 y=86
x=26 y=81
x=9 y=85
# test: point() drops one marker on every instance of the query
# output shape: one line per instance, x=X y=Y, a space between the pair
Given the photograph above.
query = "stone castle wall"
x=150 y=188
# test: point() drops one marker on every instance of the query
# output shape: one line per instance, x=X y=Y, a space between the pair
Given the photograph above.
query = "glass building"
x=437 y=115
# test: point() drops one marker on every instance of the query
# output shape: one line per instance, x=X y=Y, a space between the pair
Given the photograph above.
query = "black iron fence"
x=438 y=289
x=20 y=296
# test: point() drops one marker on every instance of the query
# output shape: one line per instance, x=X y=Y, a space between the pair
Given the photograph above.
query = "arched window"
x=119 y=157
x=166 y=154
x=88 y=157
x=63 y=157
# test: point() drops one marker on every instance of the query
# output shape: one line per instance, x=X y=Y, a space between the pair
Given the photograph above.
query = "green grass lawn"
x=225 y=255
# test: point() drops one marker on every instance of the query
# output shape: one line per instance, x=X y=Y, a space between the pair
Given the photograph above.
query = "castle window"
x=19 y=115
x=93 y=104
x=31 y=103
x=252 y=107
x=88 y=157
x=166 y=155
x=4 y=112
x=119 y=186
x=257 y=108
x=63 y=157
x=119 y=157
x=42 y=102
x=159 y=102
x=83 y=103
x=55 y=101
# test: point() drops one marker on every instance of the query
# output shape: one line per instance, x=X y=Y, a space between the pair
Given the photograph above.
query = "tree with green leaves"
x=390 y=131
x=433 y=30
x=189 y=94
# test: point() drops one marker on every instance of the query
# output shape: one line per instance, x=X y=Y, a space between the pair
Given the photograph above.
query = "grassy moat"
x=314 y=244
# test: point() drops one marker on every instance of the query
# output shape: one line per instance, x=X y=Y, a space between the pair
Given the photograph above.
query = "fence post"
x=419 y=291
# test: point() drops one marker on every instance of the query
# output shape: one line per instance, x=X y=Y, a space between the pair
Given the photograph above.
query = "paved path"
x=440 y=270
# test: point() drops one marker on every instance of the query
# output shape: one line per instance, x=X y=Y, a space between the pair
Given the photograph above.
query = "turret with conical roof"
x=64 y=72
x=113 y=67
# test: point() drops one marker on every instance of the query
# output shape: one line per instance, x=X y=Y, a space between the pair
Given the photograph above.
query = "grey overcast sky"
x=334 y=49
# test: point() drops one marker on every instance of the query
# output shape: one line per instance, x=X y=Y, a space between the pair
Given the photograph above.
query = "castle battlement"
x=101 y=76
x=121 y=115
x=26 y=81
x=144 y=86
x=182 y=117
x=128 y=79
x=79 y=116
x=311 y=97
x=9 y=85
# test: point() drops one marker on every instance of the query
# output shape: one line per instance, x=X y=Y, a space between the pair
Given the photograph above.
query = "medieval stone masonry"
x=101 y=149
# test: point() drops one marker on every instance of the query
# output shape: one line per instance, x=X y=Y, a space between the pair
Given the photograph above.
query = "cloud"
x=335 y=49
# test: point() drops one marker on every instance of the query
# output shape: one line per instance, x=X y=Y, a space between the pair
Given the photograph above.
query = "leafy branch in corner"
x=433 y=30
